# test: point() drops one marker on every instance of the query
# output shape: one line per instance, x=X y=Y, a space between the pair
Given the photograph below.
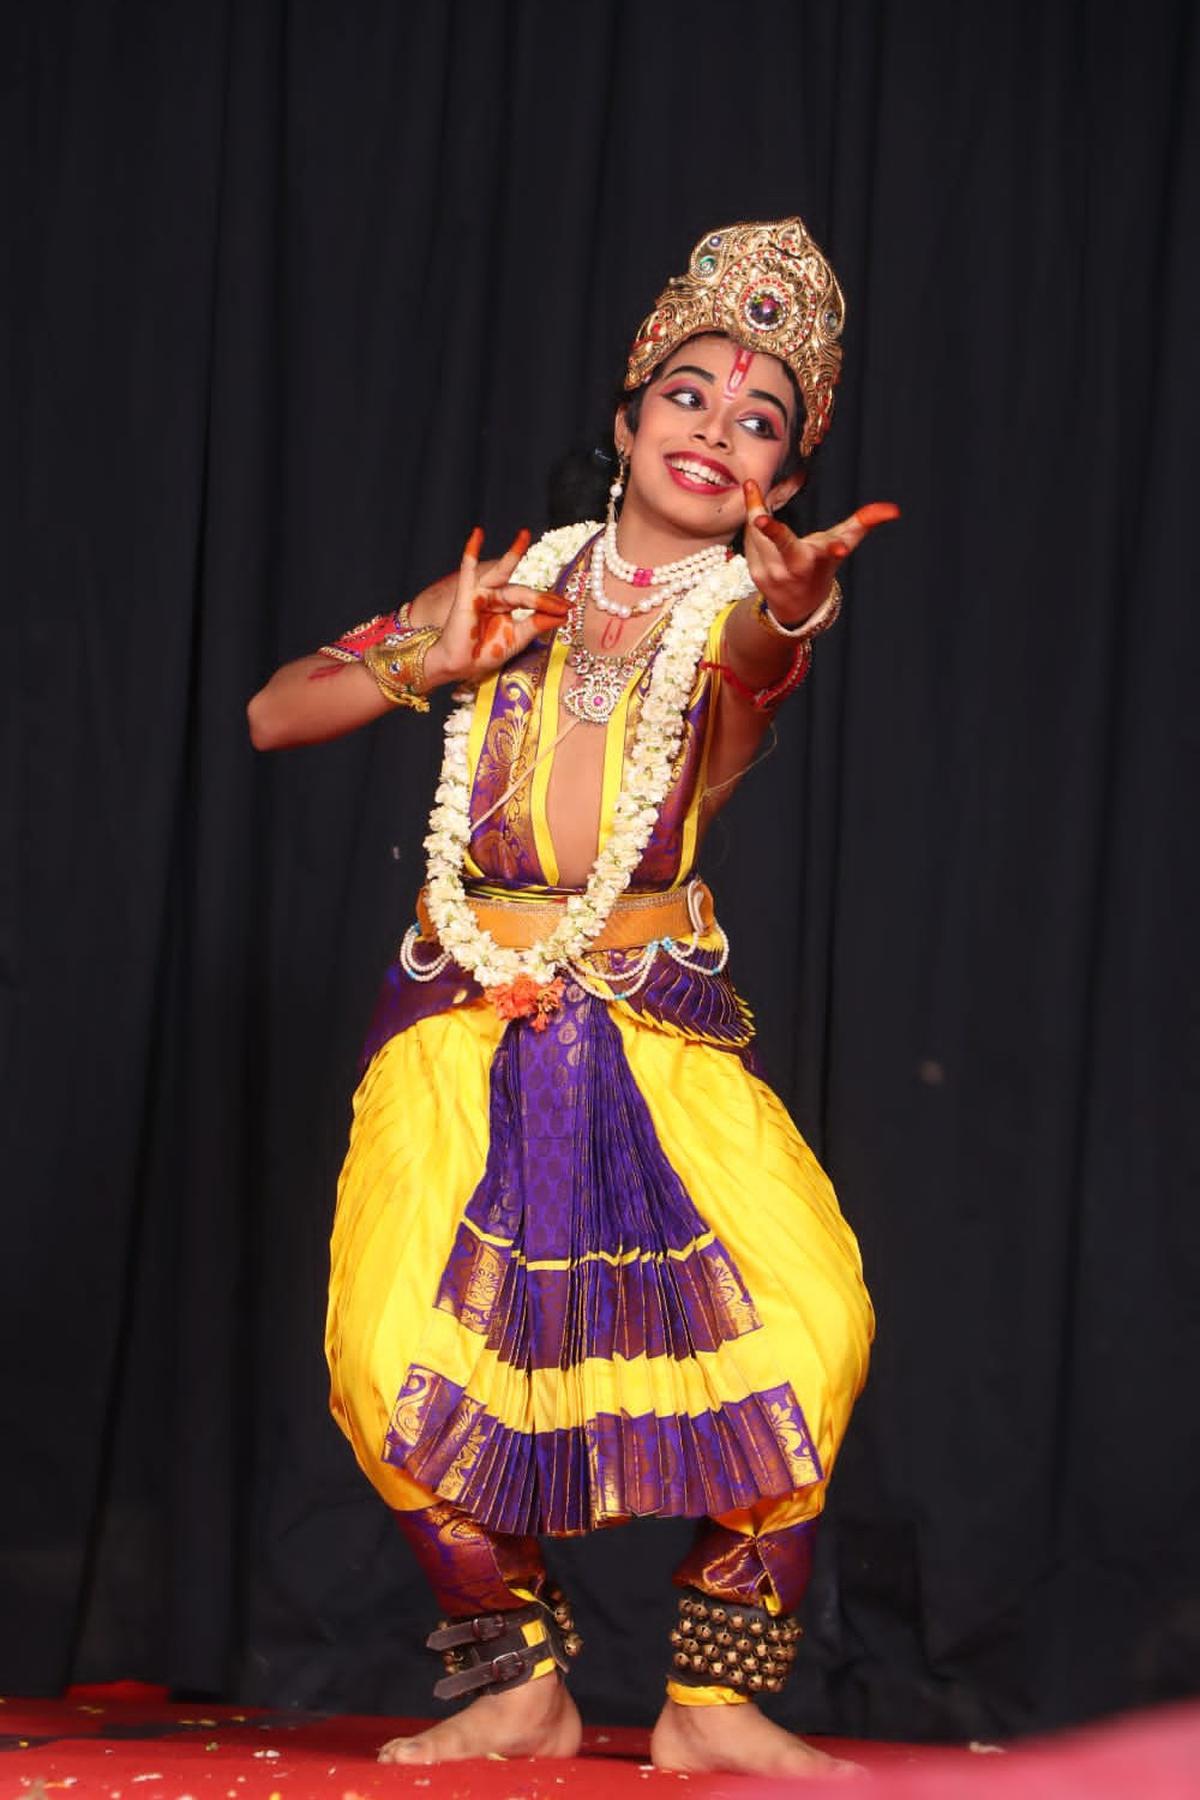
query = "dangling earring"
x=617 y=489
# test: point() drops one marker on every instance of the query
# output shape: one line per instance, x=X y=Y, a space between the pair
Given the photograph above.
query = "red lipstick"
x=717 y=481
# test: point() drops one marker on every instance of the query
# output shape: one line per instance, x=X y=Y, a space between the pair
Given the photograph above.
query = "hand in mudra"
x=490 y=622
x=794 y=574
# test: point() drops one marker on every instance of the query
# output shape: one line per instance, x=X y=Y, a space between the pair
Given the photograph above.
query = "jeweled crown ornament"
x=769 y=288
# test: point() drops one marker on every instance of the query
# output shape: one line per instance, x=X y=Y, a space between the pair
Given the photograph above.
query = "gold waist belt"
x=636 y=919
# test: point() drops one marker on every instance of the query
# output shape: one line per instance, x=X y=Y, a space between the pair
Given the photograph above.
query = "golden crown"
x=769 y=288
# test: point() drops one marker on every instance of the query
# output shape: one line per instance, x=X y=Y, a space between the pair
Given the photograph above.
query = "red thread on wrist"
x=735 y=681
x=763 y=699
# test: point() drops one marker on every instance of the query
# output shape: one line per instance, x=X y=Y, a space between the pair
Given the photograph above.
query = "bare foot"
x=537 y=1719
x=736 y=1740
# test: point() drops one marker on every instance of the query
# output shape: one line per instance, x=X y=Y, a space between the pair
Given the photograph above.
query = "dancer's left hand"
x=794 y=574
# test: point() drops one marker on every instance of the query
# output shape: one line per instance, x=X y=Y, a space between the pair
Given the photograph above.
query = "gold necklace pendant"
x=601 y=682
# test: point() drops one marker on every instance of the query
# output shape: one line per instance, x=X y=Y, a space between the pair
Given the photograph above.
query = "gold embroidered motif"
x=739 y=1316
x=483 y=1289
x=408 y=1415
x=451 y=1484
x=504 y=847
x=802 y=1464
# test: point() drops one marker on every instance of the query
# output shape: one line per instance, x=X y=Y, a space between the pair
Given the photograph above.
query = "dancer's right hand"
x=489 y=621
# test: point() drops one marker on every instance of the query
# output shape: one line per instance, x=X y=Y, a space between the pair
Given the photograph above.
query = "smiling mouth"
x=700 y=475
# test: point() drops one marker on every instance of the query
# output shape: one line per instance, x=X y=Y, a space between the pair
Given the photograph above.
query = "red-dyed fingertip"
x=877 y=512
x=839 y=552
x=521 y=542
x=753 y=494
x=474 y=542
x=762 y=520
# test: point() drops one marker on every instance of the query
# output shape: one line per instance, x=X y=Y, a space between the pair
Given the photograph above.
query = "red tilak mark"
x=612 y=633
x=738 y=373
x=327 y=669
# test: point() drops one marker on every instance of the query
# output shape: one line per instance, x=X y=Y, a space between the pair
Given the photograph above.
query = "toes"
x=400 y=1750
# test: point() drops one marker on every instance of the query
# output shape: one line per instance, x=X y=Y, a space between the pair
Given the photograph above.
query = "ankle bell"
x=720 y=1644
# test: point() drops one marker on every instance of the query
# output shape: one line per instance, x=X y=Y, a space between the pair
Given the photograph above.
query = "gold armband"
x=398 y=665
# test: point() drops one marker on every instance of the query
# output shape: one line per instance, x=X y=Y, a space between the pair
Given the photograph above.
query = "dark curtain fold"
x=298 y=292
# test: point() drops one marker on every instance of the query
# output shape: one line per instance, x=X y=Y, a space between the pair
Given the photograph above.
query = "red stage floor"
x=129 y=1744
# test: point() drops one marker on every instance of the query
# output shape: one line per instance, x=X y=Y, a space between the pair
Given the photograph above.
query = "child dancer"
x=585 y=1268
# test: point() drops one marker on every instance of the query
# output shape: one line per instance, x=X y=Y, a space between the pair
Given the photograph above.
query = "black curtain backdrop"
x=300 y=290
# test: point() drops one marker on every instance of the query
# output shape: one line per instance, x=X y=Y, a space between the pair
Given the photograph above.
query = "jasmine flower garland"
x=645 y=781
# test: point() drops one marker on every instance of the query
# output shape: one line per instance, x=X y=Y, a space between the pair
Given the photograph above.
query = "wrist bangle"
x=398 y=665
x=816 y=622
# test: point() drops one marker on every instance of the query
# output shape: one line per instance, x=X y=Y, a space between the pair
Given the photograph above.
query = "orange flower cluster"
x=526 y=998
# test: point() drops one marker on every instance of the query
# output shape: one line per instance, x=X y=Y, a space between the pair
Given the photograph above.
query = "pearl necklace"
x=669 y=580
x=600 y=599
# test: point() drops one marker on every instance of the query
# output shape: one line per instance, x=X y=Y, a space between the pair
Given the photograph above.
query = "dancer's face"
x=715 y=416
